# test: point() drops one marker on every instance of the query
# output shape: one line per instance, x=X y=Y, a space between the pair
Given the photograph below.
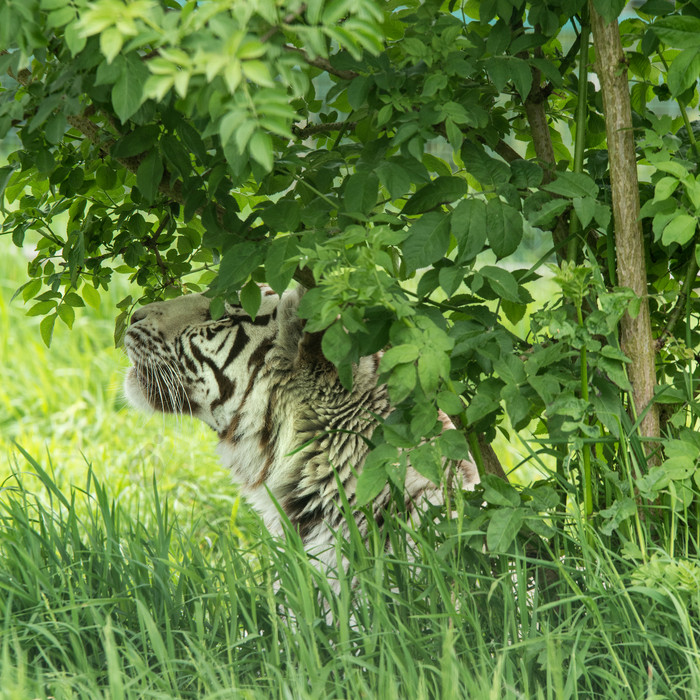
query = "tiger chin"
x=265 y=387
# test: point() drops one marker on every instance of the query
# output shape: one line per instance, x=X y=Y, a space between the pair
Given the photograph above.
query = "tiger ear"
x=310 y=351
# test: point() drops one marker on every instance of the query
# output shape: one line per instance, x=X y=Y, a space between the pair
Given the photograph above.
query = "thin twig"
x=688 y=283
x=322 y=63
x=286 y=21
x=311 y=129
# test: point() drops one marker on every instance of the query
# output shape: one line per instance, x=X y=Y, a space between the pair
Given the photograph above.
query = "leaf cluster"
x=410 y=163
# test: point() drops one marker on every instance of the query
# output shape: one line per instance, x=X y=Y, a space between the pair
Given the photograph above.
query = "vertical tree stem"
x=581 y=118
x=636 y=338
x=586 y=451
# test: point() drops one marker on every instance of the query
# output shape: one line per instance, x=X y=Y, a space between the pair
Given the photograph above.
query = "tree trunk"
x=636 y=337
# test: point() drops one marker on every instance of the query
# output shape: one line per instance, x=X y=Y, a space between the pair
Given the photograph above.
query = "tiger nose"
x=139 y=315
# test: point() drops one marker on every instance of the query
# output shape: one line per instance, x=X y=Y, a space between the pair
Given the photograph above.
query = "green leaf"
x=432 y=365
x=75 y=39
x=504 y=228
x=453 y=444
x=450 y=279
x=5 y=175
x=127 y=92
x=105 y=177
x=540 y=527
x=489 y=171
x=427 y=460
x=258 y=72
x=502 y=282
x=497 y=69
x=680 y=229
x=141 y=139
x=609 y=9
x=468 y=223
x=91 y=296
x=394 y=177
x=55 y=128
x=402 y=382
x=361 y=192
x=46 y=328
x=684 y=70
x=423 y=419
x=619 y=511
x=585 y=208
x=282 y=216
x=238 y=262
x=679 y=31
x=358 y=90
x=60 y=17
x=373 y=476
x=336 y=343
x=573 y=185
x=657 y=7
x=670 y=166
x=503 y=528
x=514 y=311
x=547 y=212
x=217 y=308
x=427 y=240
x=41 y=308
x=250 y=298
x=454 y=135
x=260 y=148
x=66 y=314
x=149 y=175
x=398 y=355
x=442 y=190
x=517 y=406
x=603 y=214
x=525 y=173
x=72 y=299
x=280 y=262
x=502 y=69
x=120 y=326
x=665 y=187
x=111 y=41
x=29 y=289
x=498 y=492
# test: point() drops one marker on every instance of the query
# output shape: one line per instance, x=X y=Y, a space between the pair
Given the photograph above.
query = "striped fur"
x=264 y=386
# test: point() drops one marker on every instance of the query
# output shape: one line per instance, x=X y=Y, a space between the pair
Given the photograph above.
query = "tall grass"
x=128 y=570
x=67 y=401
x=97 y=601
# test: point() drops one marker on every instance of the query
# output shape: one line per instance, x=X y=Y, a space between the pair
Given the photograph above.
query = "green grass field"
x=128 y=570
x=65 y=406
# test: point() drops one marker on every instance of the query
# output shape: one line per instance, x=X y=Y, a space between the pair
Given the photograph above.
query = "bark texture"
x=636 y=336
x=536 y=112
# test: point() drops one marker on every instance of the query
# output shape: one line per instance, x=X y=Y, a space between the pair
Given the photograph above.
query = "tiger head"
x=186 y=362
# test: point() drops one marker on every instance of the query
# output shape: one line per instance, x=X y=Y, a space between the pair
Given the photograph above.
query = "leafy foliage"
x=393 y=158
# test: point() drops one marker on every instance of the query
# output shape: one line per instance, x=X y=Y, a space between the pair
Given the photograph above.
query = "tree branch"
x=492 y=464
x=537 y=118
x=322 y=63
x=544 y=150
x=688 y=282
x=311 y=129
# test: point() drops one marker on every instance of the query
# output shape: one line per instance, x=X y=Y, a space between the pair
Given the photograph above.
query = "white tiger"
x=264 y=386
